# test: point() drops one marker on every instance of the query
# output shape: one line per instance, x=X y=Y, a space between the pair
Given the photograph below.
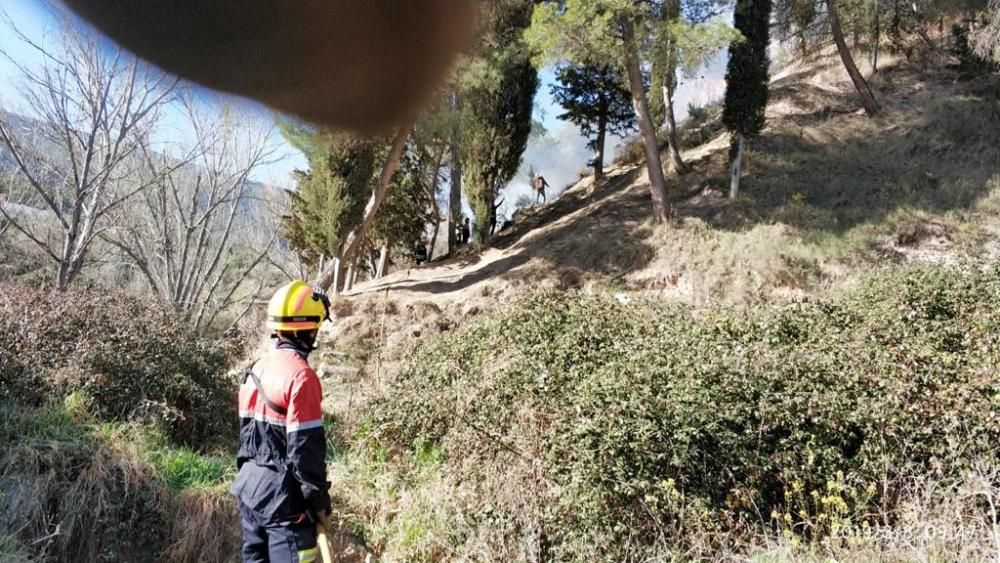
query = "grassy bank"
x=117 y=423
x=74 y=488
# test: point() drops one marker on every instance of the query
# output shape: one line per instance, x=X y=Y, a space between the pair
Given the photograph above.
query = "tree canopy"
x=747 y=75
x=747 y=80
x=594 y=99
x=497 y=99
x=330 y=196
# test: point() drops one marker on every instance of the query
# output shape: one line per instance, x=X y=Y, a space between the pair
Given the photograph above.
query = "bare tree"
x=13 y=197
x=194 y=233
x=88 y=112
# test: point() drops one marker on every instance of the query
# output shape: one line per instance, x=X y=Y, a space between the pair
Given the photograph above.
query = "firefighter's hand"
x=320 y=504
x=342 y=63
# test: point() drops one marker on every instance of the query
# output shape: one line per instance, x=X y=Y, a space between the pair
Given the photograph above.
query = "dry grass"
x=74 y=490
x=204 y=527
x=71 y=508
x=936 y=521
x=698 y=265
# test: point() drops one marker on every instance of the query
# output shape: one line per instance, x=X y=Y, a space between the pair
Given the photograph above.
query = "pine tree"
x=406 y=211
x=606 y=32
x=686 y=37
x=860 y=84
x=747 y=81
x=596 y=101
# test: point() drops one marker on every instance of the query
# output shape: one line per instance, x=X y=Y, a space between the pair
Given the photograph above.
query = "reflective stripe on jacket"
x=281 y=462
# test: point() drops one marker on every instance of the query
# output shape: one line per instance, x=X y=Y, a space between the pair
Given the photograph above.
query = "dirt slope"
x=828 y=195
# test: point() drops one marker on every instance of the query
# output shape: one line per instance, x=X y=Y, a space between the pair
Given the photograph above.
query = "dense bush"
x=130 y=358
x=969 y=61
x=592 y=428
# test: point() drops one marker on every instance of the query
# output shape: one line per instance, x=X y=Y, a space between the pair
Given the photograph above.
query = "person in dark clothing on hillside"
x=466 y=231
x=540 y=185
x=281 y=481
x=420 y=251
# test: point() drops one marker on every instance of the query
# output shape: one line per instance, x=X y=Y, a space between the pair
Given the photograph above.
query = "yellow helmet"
x=297 y=306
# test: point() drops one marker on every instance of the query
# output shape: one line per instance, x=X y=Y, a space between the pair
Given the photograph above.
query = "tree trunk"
x=455 y=195
x=864 y=91
x=434 y=238
x=349 y=248
x=349 y=278
x=671 y=12
x=895 y=28
x=62 y=276
x=435 y=208
x=736 y=166
x=657 y=184
x=455 y=200
x=383 y=260
x=602 y=129
x=337 y=267
x=671 y=121
x=876 y=36
x=481 y=229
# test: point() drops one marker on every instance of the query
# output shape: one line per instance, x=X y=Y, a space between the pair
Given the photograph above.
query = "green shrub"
x=697 y=114
x=969 y=61
x=619 y=431
x=186 y=469
x=130 y=358
x=18 y=383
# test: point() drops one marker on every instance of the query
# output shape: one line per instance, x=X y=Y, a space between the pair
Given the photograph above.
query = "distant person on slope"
x=540 y=185
x=466 y=231
x=420 y=251
x=281 y=484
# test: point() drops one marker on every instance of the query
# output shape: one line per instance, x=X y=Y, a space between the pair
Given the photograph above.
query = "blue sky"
x=560 y=155
x=36 y=21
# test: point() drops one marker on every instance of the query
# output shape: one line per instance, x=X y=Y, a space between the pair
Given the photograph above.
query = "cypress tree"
x=496 y=110
x=747 y=80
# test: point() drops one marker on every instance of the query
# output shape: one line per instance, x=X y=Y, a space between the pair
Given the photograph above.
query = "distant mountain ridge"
x=27 y=128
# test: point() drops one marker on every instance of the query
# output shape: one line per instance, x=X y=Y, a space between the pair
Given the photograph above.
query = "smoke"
x=560 y=155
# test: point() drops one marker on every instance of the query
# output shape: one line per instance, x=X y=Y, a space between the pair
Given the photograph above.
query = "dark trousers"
x=287 y=542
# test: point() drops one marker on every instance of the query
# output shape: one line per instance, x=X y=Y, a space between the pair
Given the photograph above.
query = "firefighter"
x=281 y=484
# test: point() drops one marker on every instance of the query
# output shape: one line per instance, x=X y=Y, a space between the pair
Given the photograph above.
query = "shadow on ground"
x=821 y=167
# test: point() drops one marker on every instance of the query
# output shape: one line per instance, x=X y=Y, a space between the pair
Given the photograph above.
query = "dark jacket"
x=282 y=457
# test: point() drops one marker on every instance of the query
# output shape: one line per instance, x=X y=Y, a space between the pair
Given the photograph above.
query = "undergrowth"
x=578 y=427
x=135 y=362
x=74 y=488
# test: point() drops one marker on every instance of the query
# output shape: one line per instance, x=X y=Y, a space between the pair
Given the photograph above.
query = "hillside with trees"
x=768 y=330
